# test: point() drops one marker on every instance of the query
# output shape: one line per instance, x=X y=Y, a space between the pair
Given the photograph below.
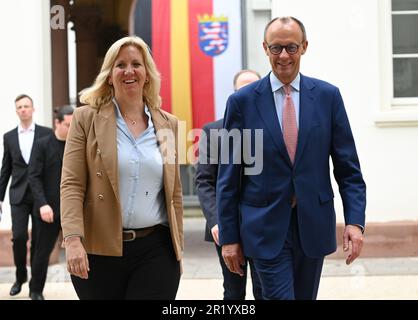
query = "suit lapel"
x=267 y=110
x=160 y=123
x=306 y=110
x=36 y=136
x=15 y=142
x=105 y=129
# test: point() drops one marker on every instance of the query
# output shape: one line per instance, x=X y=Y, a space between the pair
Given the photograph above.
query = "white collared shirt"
x=279 y=95
x=26 y=137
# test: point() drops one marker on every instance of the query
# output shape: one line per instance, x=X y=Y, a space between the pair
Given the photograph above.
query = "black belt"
x=132 y=234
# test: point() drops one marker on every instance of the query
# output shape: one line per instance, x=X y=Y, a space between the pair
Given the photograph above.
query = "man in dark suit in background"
x=16 y=157
x=44 y=179
x=284 y=217
x=206 y=175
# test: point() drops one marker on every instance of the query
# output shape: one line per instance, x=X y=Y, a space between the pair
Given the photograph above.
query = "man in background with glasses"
x=206 y=175
x=284 y=217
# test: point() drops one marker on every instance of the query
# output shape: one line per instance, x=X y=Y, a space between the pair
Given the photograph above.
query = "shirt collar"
x=148 y=114
x=23 y=130
x=119 y=115
x=276 y=84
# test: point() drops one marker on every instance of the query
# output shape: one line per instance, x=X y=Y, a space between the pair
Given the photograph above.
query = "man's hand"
x=215 y=234
x=76 y=256
x=233 y=257
x=352 y=234
x=47 y=214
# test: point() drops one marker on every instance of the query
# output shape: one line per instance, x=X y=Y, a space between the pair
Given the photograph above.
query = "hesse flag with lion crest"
x=197 y=47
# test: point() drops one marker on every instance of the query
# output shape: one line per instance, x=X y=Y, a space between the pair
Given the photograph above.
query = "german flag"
x=197 y=45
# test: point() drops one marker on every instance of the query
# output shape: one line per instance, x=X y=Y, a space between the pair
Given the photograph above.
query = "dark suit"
x=206 y=176
x=44 y=179
x=269 y=226
x=20 y=196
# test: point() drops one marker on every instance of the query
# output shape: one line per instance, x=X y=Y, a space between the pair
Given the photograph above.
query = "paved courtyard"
x=377 y=278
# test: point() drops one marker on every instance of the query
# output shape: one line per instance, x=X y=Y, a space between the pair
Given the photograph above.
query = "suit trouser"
x=46 y=237
x=235 y=285
x=291 y=275
x=20 y=219
x=148 y=270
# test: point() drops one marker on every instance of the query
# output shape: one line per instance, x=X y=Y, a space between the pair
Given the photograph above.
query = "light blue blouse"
x=141 y=185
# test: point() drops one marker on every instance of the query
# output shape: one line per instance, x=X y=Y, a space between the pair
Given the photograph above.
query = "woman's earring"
x=110 y=83
x=146 y=80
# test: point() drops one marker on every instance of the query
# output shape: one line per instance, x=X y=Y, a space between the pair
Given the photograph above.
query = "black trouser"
x=147 y=270
x=20 y=220
x=46 y=237
x=235 y=285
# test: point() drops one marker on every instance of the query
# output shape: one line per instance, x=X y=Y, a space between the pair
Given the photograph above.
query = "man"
x=17 y=154
x=206 y=175
x=284 y=217
x=44 y=179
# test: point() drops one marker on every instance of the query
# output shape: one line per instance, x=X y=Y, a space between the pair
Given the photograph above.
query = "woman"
x=121 y=197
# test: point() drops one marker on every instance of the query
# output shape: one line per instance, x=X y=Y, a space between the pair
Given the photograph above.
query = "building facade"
x=368 y=49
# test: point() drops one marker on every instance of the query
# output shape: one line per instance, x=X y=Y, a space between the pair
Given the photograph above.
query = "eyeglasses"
x=277 y=49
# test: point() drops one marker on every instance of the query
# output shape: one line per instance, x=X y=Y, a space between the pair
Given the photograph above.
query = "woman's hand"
x=76 y=256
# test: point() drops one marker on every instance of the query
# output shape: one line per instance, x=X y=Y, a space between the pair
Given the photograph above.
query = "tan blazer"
x=90 y=203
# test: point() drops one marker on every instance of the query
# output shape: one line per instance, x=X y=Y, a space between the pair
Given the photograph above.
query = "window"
x=398 y=29
x=405 y=48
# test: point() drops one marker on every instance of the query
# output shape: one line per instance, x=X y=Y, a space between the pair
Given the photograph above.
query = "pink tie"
x=290 y=129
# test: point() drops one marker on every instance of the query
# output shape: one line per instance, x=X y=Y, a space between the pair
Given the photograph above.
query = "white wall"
x=344 y=50
x=26 y=68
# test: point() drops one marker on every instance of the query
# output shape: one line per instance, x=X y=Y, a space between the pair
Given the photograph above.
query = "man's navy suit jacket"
x=255 y=210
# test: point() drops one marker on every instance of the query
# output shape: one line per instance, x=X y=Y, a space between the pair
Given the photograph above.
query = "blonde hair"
x=101 y=92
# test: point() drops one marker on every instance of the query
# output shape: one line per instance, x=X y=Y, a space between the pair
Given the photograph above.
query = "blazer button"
x=99 y=174
x=100 y=197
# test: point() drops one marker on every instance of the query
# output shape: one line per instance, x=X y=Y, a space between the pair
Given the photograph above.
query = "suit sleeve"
x=6 y=168
x=206 y=175
x=347 y=170
x=36 y=171
x=229 y=176
x=74 y=178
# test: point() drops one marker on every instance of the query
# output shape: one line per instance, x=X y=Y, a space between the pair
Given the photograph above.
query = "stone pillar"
x=87 y=21
x=59 y=56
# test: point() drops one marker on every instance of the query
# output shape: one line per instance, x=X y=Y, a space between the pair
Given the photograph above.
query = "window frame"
x=393 y=111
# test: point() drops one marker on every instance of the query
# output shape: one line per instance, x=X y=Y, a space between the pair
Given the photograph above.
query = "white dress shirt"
x=26 y=137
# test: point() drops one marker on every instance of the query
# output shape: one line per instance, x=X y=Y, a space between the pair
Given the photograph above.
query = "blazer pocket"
x=254 y=201
x=325 y=196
